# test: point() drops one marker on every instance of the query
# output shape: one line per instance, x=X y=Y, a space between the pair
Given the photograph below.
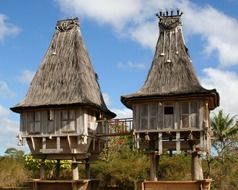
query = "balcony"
x=115 y=127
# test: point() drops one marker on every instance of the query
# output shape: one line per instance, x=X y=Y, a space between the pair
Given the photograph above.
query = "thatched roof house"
x=171 y=73
x=66 y=76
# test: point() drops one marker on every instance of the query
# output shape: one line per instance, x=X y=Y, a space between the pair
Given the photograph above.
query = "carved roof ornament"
x=169 y=21
x=68 y=24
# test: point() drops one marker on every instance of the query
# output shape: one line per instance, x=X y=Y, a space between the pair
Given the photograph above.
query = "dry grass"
x=12 y=172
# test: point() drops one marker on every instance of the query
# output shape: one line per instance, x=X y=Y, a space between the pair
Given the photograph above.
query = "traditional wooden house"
x=59 y=113
x=171 y=110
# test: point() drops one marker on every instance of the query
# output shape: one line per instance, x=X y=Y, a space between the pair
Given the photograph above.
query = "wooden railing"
x=115 y=127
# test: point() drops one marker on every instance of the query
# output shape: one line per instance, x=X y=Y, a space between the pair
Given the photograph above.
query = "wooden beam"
x=87 y=168
x=58 y=143
x=51 y=151
x=160 y=143
x=137 y=140
x=75 y=172
x=42 y=169
x=69 y=141
x=178 y=147
x=43 y=143
x=57 y=169
x=33 y=143
x=154 y=165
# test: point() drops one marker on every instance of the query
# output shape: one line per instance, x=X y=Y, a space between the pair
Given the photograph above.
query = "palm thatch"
x=66 y=75
x=171 y=73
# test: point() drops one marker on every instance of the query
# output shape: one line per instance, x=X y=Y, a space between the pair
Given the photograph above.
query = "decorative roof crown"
x=68 y=24
x=169 y=21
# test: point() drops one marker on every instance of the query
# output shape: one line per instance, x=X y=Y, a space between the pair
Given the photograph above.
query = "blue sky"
x=120 y=37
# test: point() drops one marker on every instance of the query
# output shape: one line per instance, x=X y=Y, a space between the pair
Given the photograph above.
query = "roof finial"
x=171 y=12
x=160 y=13
x=179 y=13
x=168 y=13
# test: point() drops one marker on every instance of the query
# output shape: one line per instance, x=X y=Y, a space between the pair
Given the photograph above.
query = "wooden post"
x=42 y=169
x=154 y=166
x=57 y=169
x=74 y=167
x=87 y=168
x=196 y=169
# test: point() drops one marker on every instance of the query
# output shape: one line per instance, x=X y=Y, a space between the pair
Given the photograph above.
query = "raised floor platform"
x=90 y=184
x=174 y=185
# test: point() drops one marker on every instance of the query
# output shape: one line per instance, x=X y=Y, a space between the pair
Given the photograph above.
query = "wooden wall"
x=171 y=115
x=57 y=122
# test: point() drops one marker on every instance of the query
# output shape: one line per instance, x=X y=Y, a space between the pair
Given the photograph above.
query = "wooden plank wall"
x=56 y=122
x=151 y=116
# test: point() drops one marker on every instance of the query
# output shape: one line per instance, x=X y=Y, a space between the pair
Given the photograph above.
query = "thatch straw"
x=171 y=72
x=66 y=75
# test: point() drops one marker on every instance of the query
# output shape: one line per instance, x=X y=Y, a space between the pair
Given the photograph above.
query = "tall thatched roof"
x=66 y=76
x=171 y=72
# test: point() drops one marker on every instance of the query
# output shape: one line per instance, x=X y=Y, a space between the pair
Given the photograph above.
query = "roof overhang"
x=20 y=109
x=212 y=97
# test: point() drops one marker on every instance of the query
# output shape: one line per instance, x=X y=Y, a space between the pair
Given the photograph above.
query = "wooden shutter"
x=144 y=116
x=185 y=114
x=194 y=114
x=160 y=115
x=168 y=116
x=37 y=122
x=50 y=122
x=31 y=120
x=64 y=120
x=152 y=116
x=71 y=126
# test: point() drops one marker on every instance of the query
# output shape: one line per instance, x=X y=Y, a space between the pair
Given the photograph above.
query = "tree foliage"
x=225 y=130
x=224 y=162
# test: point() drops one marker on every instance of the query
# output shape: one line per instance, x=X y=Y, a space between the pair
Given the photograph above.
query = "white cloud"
x=3 y=111
x=146 y=33
x=116 y=13
x=7 y=29
x=217 y=29
x=226 y=83
x=106 y=99
x=130 y=65
x=4 y=90
x=134 y=18
x=9 y=130
x=5 y=123
x=26 y=76
x=122 y=113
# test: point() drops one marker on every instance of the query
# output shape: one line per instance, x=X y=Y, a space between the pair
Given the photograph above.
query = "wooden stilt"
x=87 y=169
x=57 y=169
x=75 y=172
x=42 y=169
x=154 y=166
x=196 y=169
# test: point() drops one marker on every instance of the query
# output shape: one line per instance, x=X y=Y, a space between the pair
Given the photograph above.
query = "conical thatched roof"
x=66 y=76
x=171 y=72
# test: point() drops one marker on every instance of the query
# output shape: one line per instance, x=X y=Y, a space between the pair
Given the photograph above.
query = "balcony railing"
x=115 y=127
